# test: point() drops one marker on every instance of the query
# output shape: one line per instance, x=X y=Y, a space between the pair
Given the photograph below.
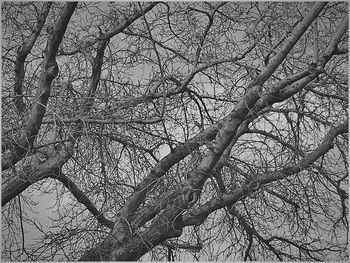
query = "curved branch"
x=28 y=176
x=22 y=54
x=49 y=72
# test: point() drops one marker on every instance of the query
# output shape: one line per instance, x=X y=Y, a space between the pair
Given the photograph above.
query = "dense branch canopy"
x=174 y=131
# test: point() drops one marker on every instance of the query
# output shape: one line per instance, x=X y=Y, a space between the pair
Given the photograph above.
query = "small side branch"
x=83 y=199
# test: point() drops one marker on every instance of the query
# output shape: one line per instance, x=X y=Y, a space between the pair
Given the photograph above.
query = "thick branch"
x=22 y=54
x=332 y=46
x=289 y=43
x=248 y=101
x=198 y=215
x=28 y=176
x=49 y=72
x=164 y=165
x=95 y=75
x=161 y=229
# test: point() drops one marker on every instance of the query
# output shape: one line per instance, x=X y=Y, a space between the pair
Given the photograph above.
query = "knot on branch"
x=52 y=70
x=254 y=185
x=191 y=196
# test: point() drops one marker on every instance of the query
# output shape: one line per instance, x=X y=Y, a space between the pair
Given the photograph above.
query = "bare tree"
x=175 y=131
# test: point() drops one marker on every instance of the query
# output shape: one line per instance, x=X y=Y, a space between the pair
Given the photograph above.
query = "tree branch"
x=198 y=215
x=22 y=54
x=49 y=72
x=289 y=43
x=114 y=31
x=28 y=176
x=82 y=198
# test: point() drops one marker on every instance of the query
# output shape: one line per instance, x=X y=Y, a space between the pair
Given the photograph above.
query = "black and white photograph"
x=174 y=131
